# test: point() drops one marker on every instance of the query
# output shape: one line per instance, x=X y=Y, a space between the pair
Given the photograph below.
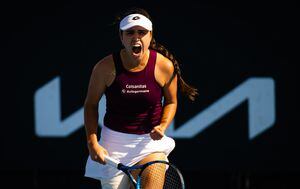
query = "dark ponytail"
x=185 y=89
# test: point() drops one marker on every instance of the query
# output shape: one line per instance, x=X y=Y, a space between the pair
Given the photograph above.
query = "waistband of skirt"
x=119 y=137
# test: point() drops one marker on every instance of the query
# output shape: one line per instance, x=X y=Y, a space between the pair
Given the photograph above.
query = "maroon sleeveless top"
x=134 y=99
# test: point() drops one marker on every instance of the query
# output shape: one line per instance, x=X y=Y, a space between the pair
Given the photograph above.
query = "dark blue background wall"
x=220 y=45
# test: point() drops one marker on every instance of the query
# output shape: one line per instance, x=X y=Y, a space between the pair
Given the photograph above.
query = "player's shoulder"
x=164 y=63
x=105 y=64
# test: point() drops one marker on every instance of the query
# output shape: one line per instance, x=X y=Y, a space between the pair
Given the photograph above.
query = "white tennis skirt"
x=128 y=149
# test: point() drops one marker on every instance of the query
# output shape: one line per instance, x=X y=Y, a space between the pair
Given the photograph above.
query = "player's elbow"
x=172 y=102
x=88 y=104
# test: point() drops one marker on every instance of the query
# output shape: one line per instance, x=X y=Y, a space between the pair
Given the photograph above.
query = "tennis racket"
x=157 y=174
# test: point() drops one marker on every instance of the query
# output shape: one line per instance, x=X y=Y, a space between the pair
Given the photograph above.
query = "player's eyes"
x=140 y=32
x=130 y=32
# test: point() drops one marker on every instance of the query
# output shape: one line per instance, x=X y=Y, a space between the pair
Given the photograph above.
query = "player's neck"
x=132 y=63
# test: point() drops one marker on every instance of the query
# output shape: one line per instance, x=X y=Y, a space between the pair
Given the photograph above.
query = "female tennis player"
x=140 y=84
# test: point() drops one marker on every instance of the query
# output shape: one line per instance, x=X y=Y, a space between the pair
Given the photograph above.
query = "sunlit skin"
x=135 y=36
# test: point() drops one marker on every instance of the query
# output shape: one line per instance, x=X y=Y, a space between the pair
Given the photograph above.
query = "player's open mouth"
x=136 y=49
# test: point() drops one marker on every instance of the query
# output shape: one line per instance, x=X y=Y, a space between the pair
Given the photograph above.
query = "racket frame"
x=127 y=169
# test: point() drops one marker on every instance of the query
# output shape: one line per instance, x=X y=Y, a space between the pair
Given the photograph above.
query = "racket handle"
x=112 y=162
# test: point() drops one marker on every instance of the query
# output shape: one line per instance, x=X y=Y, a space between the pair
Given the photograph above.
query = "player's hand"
x=157 y=132
x=97 y=152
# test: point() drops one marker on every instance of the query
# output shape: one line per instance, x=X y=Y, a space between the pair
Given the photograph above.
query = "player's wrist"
x=163 y=126
x=92 y=139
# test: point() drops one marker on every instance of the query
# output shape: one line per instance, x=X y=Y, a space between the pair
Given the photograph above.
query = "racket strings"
x=153 y=176
x=173 y=179
x=161 y=176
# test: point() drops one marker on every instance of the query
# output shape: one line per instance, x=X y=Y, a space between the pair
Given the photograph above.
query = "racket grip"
x=112 y=162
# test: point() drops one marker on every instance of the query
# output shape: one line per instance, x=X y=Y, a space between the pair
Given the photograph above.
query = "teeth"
x=136 y=48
